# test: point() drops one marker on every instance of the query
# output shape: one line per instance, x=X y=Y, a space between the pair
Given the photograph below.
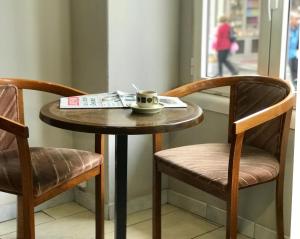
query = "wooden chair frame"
x=236 y=133
x=26 y=201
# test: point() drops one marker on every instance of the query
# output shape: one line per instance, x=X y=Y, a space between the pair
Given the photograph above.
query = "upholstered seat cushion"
x=51 y=167
x=209 y=164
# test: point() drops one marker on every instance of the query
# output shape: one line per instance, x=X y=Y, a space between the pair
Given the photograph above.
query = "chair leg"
x=99 y=207
x=279 y=208
x=231 y=224
x=25 y=219
x=156 y=211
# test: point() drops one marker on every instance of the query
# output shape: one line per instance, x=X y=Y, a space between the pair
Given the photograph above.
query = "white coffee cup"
x=147 y=99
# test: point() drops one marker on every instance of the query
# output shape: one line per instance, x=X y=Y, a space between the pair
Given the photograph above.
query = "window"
x=261 y=38
x=244 y=18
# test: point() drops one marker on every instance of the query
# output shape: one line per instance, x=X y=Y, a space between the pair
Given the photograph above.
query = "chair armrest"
x=157 y=142
x=265 y=115
x=45 y=86
x=187 y=89
x=14 y=127
x=199 y=85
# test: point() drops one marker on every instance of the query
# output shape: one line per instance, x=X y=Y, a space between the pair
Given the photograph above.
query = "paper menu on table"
x=102 y=100
x=117 y=99
x=171 y=102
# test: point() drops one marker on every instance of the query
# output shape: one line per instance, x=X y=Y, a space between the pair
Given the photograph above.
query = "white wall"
x=139 y=45
x=89 y=45
x=35 y=43
x=89 y=53
x=143 y=49
x=89 y=66
x=186 y=40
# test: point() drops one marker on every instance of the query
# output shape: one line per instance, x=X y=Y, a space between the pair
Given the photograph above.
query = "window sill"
x=219 y=104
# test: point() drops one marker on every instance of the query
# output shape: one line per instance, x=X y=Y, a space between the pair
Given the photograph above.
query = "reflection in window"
x=293 y=43
x=243 y=17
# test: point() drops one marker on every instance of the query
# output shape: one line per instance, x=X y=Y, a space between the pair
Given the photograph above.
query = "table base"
x=120 y=185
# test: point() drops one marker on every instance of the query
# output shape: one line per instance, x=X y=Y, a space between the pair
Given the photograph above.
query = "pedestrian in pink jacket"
x=222 y=46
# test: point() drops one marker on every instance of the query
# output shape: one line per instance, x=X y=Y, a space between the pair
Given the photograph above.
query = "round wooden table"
x=121 y=123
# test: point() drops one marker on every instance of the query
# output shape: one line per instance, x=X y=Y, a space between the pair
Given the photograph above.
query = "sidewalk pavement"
x=244 y=65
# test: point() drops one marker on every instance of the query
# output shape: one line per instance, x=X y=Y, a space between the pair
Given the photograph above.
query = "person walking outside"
x=222 y=46
x=293 y=47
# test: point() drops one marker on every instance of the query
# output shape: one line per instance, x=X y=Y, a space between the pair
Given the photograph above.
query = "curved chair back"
x=250 y=95
x=253 y=94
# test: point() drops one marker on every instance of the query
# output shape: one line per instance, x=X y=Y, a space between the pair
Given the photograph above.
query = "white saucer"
x=155 y=109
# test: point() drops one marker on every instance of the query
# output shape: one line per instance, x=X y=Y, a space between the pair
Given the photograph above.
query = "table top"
x=121 y=121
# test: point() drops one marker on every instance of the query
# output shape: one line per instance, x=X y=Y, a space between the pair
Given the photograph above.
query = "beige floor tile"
x=109 y=226
x=175 y=225
x=64 y=210
x=10 y=226
x=79 y=226
x=218 y=234
x=7 y=227
x=75 y=222
x=181 y=224
x=167 y=208
x=147 y=214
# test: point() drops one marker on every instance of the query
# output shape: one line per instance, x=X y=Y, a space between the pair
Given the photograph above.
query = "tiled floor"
x=71 y=221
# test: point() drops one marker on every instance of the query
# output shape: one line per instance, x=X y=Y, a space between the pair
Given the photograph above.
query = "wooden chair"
x=259 y=119
x=38 y=174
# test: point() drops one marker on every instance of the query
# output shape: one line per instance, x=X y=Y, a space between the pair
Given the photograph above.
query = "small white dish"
x=152 y=110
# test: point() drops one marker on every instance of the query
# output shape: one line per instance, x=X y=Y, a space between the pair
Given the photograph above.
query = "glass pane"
x=233 y=37
x=293 y=43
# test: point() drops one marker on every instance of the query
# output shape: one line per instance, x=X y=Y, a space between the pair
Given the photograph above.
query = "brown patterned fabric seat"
x=208 y=163
x=51 y=167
